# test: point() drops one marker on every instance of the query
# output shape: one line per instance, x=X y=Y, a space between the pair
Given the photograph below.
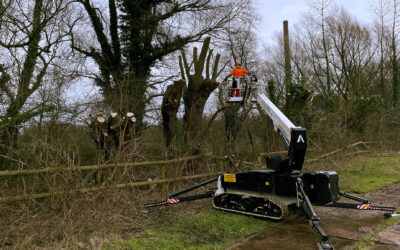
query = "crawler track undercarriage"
x=253 y=204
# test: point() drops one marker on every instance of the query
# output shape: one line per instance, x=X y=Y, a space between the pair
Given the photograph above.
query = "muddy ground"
x=345 y=227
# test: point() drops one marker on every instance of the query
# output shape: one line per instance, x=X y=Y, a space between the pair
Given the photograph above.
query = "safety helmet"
x=238 y=65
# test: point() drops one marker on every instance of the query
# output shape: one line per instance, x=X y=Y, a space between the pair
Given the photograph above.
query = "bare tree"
x=313 y=42
x=31 y=35
x=381 y=13
x=394 y=57
x=352 y=56
x=321 y=9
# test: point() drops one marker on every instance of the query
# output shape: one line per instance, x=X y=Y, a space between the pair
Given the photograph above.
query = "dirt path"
x=344 y=226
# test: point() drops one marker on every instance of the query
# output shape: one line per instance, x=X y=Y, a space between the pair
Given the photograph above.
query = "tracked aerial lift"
x=272 y=192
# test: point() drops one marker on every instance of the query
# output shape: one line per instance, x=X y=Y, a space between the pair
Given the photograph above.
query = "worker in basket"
x=237 y=72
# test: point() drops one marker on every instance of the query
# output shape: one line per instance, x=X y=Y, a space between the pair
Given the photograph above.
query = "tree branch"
x=181 y=68
x=4 y=78
x=187 y=68
x=215 y=70
x=99 y=30
x=203 y=54
x=114 y=32
x=195 y=59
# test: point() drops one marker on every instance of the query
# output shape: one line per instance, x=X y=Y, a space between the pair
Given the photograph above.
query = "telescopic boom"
x=294 y=138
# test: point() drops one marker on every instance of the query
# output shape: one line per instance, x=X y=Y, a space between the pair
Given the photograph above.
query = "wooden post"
x=288 y=68
x=163 y=177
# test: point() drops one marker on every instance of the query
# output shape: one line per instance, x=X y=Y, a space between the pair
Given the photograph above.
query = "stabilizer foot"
x=389 y=215
x=324 y=246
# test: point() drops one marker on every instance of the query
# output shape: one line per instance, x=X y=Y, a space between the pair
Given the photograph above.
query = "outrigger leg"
x=365 y=205
x=312 y=216
x=172 y=198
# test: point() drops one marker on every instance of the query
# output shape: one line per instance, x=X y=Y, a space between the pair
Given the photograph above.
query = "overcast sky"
x=273 y=12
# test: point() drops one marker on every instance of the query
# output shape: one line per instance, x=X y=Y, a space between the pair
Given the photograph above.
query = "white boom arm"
x=293 y=137
x=281 y=123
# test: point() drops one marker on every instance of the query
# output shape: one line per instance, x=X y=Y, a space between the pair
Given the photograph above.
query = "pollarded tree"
x=198 y=90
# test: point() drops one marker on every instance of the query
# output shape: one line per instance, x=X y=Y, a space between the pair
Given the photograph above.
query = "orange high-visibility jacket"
x=239 y=72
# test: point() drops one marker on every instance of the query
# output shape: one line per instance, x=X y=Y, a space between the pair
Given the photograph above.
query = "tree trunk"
x=195 y=100
x=8 y=138
x=232 y=126
x=395 y=80
x=169 y=109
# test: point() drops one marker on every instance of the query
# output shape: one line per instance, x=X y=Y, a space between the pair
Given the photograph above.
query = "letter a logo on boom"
x=300 y=139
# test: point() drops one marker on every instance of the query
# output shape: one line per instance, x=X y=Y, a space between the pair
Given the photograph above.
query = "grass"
x=208 y=230
x=370 y=174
